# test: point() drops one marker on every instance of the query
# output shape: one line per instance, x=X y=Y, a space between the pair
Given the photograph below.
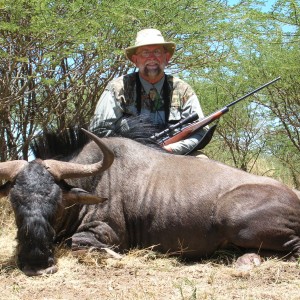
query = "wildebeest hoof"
x=247 y=262
x=37 y=272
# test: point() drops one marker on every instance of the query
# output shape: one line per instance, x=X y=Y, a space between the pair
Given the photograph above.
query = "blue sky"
x=266 y=7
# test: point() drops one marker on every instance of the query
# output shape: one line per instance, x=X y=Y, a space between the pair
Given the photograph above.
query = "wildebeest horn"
x=63 y=170
x=10 y=169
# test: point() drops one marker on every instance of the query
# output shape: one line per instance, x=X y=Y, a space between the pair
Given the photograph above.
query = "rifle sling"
x=205 y=139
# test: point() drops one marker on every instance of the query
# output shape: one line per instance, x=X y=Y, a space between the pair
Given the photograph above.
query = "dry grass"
x=141 y=274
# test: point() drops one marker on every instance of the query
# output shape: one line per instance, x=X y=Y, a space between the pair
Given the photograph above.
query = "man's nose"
x=151 y=54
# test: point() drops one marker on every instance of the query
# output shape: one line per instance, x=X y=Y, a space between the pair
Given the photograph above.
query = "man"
x=166 y=99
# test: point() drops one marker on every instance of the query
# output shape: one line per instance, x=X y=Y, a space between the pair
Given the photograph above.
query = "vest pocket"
x=175 y=114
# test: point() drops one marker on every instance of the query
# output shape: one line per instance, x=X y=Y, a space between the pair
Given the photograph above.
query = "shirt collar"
x=147 y=85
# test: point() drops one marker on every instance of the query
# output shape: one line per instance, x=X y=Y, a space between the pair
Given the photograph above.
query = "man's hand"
x=168 y=148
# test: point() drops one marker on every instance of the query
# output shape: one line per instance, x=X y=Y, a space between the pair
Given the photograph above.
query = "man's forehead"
x=150 y=47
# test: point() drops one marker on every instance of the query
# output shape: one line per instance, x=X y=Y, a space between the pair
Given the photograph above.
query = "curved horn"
x=10 y=169
x=63 y=170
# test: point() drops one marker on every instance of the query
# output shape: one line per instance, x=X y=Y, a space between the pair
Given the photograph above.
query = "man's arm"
x=107 y=111
x=186 y=145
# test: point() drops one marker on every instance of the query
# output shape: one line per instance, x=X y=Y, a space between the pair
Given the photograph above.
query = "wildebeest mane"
x=58 y=144
x=61 y=144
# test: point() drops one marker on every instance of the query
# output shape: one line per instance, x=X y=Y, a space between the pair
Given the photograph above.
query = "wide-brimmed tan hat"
x=149 y=37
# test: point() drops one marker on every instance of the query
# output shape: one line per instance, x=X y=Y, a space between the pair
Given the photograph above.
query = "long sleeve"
x=186 y=145
x=108 y=111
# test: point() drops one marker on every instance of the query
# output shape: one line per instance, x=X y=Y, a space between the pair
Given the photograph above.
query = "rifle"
x=169 y=135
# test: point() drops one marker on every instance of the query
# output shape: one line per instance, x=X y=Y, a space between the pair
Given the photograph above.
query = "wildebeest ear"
x=80 y=196
x=4 y=189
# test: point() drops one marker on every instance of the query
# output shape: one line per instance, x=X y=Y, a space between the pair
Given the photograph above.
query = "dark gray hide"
x=185 y=205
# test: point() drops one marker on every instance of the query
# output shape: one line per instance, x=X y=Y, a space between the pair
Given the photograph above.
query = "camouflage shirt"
x=120 y=99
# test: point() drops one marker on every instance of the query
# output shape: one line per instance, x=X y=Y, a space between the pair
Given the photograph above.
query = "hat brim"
x=169 y=46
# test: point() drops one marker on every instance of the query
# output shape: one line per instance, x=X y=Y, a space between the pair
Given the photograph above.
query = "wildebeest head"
x=36 y=190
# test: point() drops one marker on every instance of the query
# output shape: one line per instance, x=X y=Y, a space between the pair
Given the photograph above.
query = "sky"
x=266 y=7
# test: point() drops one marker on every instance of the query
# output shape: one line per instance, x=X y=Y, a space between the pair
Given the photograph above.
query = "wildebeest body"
x=188 y=205
x=182 y=205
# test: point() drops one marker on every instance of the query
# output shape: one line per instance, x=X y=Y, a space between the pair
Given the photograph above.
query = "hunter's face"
x=151 y=61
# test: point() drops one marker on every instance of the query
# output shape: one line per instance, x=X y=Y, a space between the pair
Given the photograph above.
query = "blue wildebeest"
x=116 y=192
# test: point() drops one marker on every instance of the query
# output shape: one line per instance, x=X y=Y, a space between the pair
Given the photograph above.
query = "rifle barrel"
x=253 y=92
x=167 y=139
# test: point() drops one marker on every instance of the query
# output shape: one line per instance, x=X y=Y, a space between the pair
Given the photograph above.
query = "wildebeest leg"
x=261 y=218
x=96 y=235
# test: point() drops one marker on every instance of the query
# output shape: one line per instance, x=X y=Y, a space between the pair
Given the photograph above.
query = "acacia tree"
x=284 y=105
x=240 y=134
x=282 y=109
x=263 y=52
x=275 y=55
x=51 y=70
x=239 y=138
x=58 y=56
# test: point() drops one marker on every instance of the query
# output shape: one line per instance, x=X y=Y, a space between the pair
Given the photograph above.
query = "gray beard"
x=153 y=73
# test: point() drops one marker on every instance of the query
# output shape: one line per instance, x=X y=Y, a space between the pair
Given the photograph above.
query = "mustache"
x=157 y=70
x=150 y=62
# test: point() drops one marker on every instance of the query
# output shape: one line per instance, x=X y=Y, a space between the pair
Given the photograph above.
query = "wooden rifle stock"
x=169 y=135
x=191 y=128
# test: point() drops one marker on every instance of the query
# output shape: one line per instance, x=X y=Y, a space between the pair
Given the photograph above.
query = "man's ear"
x=133 y=58
x=168 y=57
